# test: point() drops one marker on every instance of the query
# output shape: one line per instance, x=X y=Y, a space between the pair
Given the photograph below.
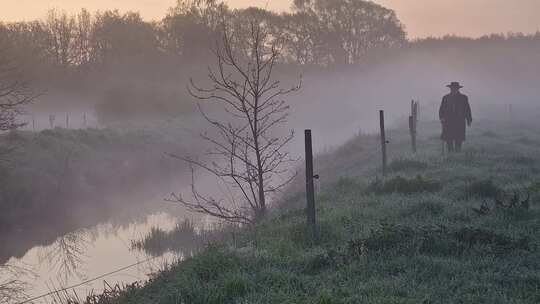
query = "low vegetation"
x=404 y=164
x=403 y=185
x=404 y=238
x=485 y=188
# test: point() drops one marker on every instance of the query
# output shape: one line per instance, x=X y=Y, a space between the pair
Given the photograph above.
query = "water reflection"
x=66 y=255
x=12 y=288
x=186 y=238
x=88 y=254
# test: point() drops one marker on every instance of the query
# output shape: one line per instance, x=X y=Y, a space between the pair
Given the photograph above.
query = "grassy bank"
x=452 y=229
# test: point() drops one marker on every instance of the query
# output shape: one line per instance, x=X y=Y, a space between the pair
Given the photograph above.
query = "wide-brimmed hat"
x=455 y=84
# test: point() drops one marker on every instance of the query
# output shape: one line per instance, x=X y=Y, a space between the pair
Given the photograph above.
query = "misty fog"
x=110 y=119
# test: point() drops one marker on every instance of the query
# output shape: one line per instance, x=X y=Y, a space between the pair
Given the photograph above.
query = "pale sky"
x=421 y=17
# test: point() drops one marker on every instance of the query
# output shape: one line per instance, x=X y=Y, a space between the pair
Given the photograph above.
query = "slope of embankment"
x=457 y=228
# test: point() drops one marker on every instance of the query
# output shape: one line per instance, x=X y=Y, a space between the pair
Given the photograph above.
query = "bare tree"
x=248 y=152
x=344 y=31
x=67 y=255
x=14 y=91
x=84 y=29
x=61 y=36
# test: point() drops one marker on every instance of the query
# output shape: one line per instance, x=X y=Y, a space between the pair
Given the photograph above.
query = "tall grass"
x=185 y=238
x=182 y=238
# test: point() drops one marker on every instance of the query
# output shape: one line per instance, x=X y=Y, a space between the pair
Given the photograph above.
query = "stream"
x=84 y=255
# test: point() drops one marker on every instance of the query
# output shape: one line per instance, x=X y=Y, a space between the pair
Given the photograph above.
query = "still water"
x=90 y=253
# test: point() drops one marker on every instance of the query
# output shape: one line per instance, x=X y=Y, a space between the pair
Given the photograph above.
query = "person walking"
x=455 y=115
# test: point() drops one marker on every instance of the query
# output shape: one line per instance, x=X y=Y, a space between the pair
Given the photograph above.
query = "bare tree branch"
x=15 y=92
x=247 y=153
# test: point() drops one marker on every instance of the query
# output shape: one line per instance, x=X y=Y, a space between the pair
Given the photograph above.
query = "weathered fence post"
x=413 y=122
x=85 y=121
x=67 y=120
x=52 y=117
x=383 y=142
x=33 y=123
x=310 y=189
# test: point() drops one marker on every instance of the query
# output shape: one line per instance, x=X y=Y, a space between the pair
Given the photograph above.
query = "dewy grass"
x=404 y=164
x=439 y=240
x=484 y=189
x=401 y=239
x=403 y=185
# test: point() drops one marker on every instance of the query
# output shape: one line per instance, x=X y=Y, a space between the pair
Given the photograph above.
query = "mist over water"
x=91 y=170
x=89 y=253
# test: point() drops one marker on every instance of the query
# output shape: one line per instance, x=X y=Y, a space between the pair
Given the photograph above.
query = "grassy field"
x=438 y=229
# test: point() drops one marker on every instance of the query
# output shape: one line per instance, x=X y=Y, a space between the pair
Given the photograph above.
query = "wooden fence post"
x=67 y=120
x=310 y=189
x=413 y=122
x=383 y=142
x=52 y=117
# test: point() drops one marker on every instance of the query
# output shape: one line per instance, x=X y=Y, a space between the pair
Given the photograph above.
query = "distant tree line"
x=320 y=32
x=14 y=90
x=128 y=67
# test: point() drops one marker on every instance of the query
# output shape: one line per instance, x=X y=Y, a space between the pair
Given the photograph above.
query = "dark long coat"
x=455 y=113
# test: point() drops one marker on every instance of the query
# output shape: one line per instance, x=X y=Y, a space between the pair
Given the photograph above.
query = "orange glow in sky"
x=421 y=17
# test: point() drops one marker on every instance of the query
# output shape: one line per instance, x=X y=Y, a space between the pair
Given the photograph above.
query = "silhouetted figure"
x=455 y=113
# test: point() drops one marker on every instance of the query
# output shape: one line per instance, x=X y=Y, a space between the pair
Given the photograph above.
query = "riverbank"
x=57 y=181
x=430 y=232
